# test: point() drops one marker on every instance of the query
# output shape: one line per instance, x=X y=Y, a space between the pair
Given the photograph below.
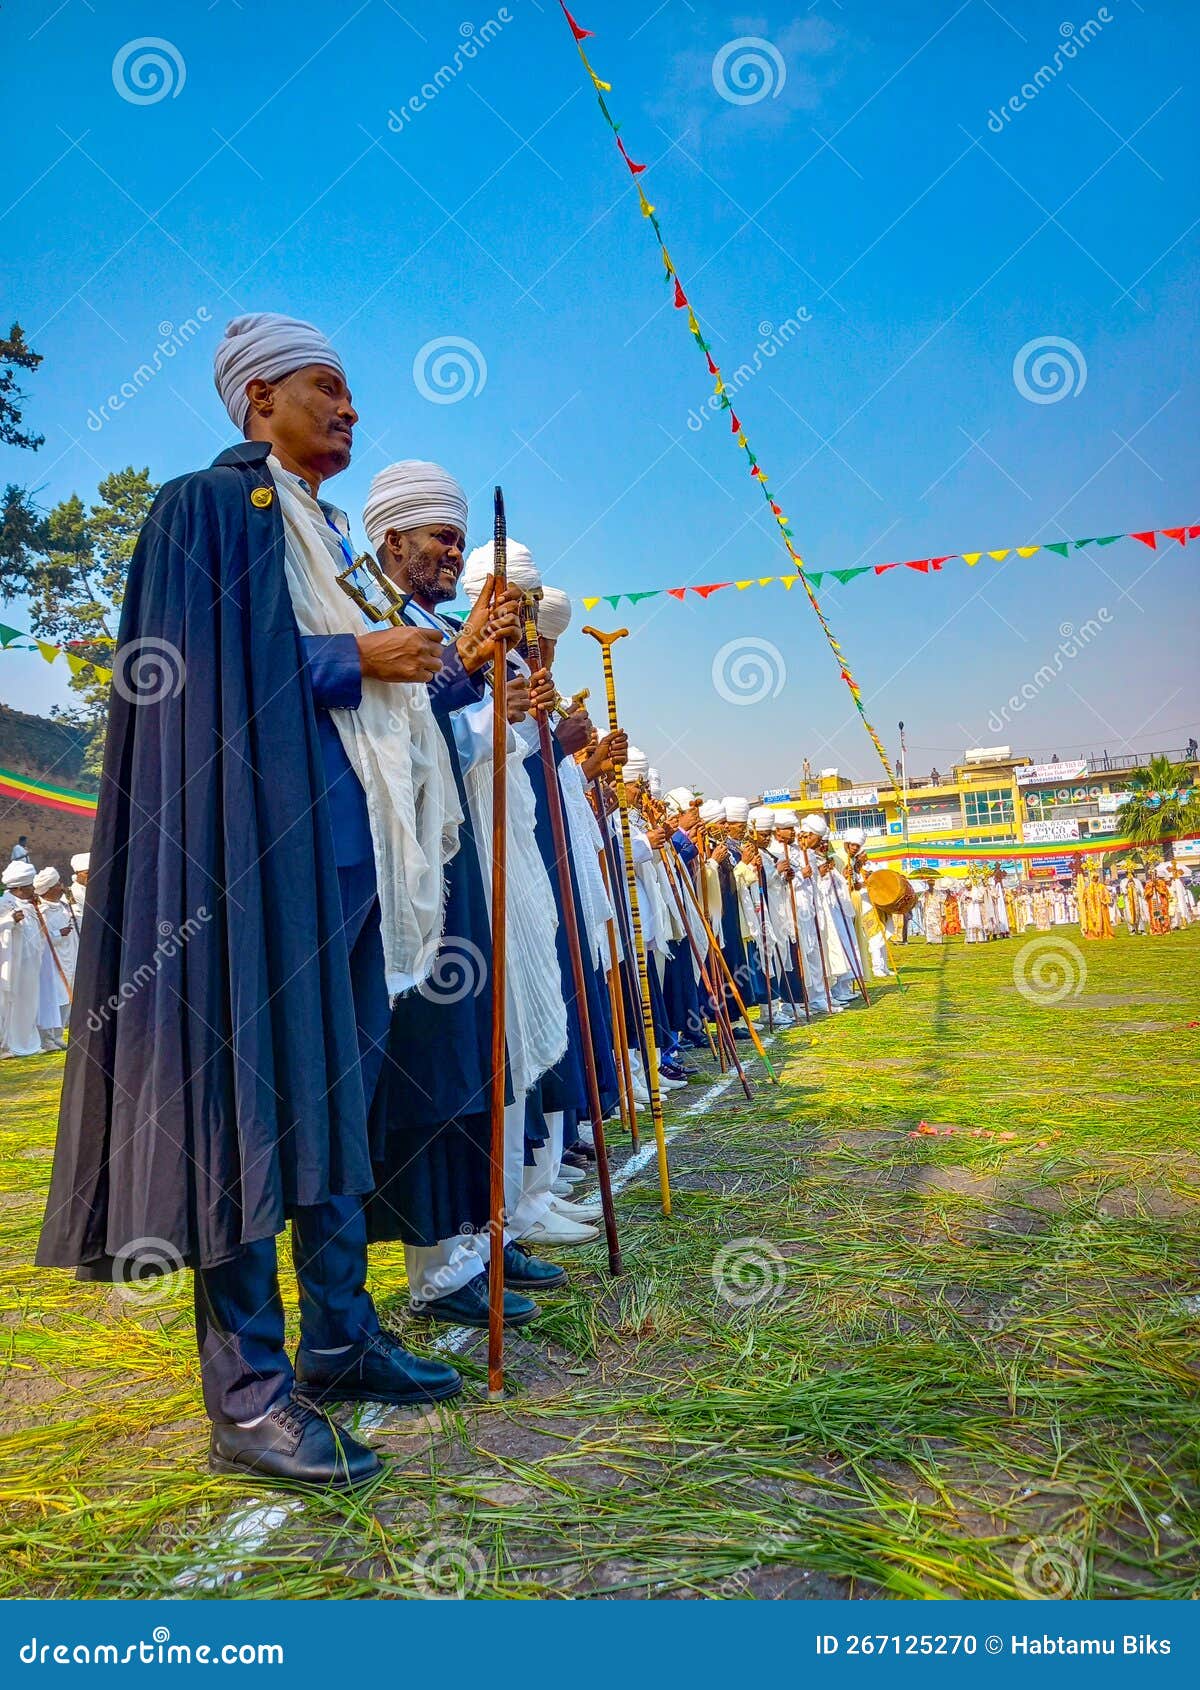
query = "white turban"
x=265 y=347
x=412 y=494
x=786 y=818
x=762 y=818
x=45 y=878
x=637 y=764
x=81 y=862
x=522 y=571
x=18 y=874
x=853 y=836
x=679 y=798
x=554 y=613
x=712 y=810
x=815 y=824
x=654 y=783
x=737 y=809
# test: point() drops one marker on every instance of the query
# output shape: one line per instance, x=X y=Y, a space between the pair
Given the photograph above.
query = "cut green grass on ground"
x=854 y=1362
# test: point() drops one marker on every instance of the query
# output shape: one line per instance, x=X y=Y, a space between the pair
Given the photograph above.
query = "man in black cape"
x=226 y=1031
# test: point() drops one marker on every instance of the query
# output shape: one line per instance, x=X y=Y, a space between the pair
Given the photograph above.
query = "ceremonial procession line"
x=514 y=935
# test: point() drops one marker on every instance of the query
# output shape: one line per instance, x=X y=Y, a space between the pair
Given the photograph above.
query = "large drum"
x=890 y=893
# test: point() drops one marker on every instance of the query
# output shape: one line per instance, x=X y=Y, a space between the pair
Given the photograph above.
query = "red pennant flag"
x=776 y=508
x=680 y=296
x=1147 y=539
x=714 y=587
x=880 y=568
x=579 y=34
x=712 y=368
x=921 y=563
x=636 y=168
x=1194 y=532
x=937 y=562
x=735 y=425
x=756 y=471
x=677 y=592
x=1180 y=534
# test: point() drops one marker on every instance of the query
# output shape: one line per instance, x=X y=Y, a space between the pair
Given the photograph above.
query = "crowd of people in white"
x=39 y=941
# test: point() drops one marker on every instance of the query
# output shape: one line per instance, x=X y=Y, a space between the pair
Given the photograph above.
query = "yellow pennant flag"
x=667 y=265
x=647 y=208
x=971 y=557
x=765 y=580
x=742 y=585
x=590 y=604
x=1000 y=556
x=789 y=581
x=48 y=651
x=74 y=663
x=1027 y=551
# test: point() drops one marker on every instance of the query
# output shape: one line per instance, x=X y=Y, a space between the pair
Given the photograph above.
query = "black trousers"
x=245 y=1370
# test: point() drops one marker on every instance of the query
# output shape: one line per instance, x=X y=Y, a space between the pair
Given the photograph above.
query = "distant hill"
x=40 y=746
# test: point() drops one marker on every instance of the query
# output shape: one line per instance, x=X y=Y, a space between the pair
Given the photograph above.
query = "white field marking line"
x=245 y=1531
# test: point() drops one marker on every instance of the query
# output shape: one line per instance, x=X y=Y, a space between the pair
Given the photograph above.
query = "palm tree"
x=1161 y=804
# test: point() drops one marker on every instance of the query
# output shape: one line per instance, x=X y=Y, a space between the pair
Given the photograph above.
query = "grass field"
x=855 y=1362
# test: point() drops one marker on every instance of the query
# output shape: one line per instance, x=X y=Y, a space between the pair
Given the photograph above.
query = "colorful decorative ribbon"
x=924 y=565
x=682 y=303
x=24 y=789
x=47 y=648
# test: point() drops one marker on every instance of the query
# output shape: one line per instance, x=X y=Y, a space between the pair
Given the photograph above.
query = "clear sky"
x=881 y=197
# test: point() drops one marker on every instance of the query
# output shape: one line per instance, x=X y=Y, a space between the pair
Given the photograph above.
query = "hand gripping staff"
x=562 y=864
x=499 y=974
x=606 y=643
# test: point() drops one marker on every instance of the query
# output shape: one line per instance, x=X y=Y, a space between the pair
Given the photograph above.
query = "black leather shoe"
x=576 y=1159
x=669 y=1071
x=378 y=1370
x=522 y=1267
x=468 y=1306
x=293 y=1445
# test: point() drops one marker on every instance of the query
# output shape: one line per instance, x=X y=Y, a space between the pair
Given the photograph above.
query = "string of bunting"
x=924 y=566
x=50 y=651
x=683 y=303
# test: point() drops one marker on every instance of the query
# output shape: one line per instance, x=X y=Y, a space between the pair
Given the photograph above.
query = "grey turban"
x=412 y=494
x=265 y=347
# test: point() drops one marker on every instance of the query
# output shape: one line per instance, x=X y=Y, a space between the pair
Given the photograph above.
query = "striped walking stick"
x=499 y=973
x=606 y=643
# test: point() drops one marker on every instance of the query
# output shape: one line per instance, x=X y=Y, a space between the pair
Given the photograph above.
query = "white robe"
x=22 y=949
x=64 y=945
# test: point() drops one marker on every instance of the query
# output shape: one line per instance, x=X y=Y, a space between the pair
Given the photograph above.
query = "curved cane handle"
x=606 y=639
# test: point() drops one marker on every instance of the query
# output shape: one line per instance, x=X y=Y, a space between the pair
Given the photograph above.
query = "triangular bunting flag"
x=971 y=557
x=713 y=587
x=1147 y=539
x=635 y=168
x=1107 y=539
x=590 y=604
x=712 y=368
x=1180 y=534
x=882 y=568
x=765 y=580
x=1080 y=544
x=607 y=87
x=844 y=575
x=742 y=585
x=1000 y=556
x=789 y=581
x=1027 y=551
x=48 y=651
x=647 y=208
x=1062 y=547
x=7 y=634
x=677 y=593
x=816 y=579
x=921 y=563
x=579 y=33
x=612 y=598
x=1194 y=532
x=666 y=258
x=636 y=598
x=734 y=425
x=75 y=664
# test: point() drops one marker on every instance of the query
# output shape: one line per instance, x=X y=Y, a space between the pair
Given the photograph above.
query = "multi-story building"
x=991 y=797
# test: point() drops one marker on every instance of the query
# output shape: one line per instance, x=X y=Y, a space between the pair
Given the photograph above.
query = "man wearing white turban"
x=279 y=805
x=62 y=936
x=81 y=862
x=815 y=871
x=22 y=948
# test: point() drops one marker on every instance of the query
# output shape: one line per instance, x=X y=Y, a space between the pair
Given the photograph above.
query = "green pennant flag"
x=816 y=579
x=636 y=598
x=1107 y=539
x=844 y=575
x=1062 y=547
x=612 y=598
x=7 y=634
x=1080 y=544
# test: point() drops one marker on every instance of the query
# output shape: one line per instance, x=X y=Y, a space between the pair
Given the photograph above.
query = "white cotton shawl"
x=394 y=747
x=535 y=1013
x=586 y=845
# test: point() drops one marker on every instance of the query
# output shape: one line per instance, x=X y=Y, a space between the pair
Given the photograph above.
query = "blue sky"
x=864 y=199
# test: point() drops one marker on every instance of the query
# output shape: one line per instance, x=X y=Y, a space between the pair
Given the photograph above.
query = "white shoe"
x=558 y=1229
x=561 y=1188
x=590 y=1209
x=668 y=1085
x=573 y=1176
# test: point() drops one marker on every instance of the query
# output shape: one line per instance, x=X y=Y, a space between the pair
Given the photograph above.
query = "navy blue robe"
x=212 y=1078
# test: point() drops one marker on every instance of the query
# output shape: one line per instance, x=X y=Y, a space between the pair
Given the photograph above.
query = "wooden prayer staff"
x=562 y=864
x=606 y=642
x=499 y=976
x=715 y=950
x=616 y=996
x=851 y=934
x=791 y=886
x=724 y=1030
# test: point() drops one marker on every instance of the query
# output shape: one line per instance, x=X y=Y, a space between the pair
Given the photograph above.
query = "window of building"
x=987 y=808
x=871 y=821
